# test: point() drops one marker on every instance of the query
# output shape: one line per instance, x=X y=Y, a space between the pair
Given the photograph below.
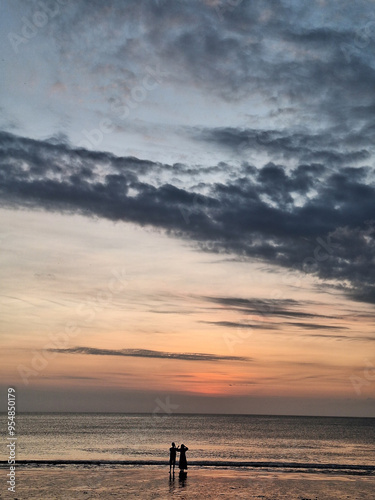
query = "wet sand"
x=51 y=483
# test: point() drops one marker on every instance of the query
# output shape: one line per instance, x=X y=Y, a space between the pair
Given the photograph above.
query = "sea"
x=213 y=440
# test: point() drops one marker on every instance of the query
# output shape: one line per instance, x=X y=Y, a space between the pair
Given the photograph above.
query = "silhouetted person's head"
x=173 y=445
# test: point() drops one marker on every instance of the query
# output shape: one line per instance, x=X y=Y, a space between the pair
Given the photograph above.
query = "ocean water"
x=214 y=438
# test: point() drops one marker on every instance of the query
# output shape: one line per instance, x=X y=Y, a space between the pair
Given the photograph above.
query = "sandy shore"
x=49 y=483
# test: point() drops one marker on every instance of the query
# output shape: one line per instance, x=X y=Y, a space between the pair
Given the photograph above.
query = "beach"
x=111 y=456
x=154 y=482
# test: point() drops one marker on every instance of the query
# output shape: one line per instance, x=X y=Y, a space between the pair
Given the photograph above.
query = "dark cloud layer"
x=303 y=75
x=310 y=57
x=311 y=218
x=146 y=353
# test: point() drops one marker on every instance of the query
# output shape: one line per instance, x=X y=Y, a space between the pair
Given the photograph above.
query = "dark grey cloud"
x=325 y=148
x=311 y=218
x=146 y=353
x=314 y=58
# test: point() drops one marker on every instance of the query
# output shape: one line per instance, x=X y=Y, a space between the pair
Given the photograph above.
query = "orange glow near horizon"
x=183 y=314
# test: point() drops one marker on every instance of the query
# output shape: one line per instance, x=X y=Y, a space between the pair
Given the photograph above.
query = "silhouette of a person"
x=172 y=457
x=182 y=463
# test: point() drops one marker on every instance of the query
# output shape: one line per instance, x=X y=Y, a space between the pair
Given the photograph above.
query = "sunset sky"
x=188 y=206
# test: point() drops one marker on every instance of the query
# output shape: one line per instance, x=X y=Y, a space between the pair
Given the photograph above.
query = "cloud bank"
x=295 y=85
x=310 y=218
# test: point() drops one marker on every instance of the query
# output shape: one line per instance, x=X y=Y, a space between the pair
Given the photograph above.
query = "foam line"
x=202 y=463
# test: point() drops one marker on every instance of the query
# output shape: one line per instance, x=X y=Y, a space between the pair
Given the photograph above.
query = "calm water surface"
x=88 y=437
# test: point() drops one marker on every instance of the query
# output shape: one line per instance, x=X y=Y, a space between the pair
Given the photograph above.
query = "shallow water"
x=148 y=483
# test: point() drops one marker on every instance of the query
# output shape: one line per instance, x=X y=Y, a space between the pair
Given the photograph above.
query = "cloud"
x=314 y=57
x=266 y=307
x=71 y=377
x=233 y=324
x=361 y=338
x=315 y=326
x=271 y=326
x=296 y=219
x=317 y=148
x=146 y=353
x=266 y=327
x=306 y=66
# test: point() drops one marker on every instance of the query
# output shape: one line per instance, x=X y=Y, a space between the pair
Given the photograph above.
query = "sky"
x=187 y=206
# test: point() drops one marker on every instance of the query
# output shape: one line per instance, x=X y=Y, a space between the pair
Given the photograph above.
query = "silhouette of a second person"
x=182 y=464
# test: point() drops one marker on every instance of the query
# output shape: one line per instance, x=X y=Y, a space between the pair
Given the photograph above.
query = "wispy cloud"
x=146 y=353
x=267 y=307
x=233 y=324
x=315 y=326
x=360 y=338
x=279 y=330
x=272 y=326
